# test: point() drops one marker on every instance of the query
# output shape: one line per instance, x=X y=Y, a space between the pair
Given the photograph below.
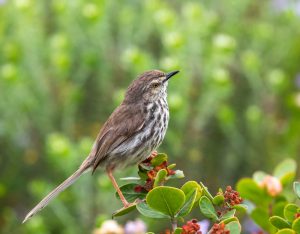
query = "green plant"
x=289 y=222
x=153 y=199
x=270 y=196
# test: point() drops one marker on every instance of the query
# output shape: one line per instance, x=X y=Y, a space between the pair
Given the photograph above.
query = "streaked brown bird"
x=135 y=129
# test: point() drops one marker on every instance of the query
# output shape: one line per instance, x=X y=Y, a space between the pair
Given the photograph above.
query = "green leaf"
x=143 y=175
x=250 y=190
x=286 y=231
x=159 y=159
x=218 y=200
x=278 y=208
x=297 y=189
x=240 y=207
x=188 y=205
x=261 y=217
x=171 y=166
x=288 y=178
x=280 y=198
x=290 y=211
x=207 y=208
x=228 y=215
x=285 y=171
x=233 y=227
x=130 y=194
x=279 y=222
x=259 y=176
x=160 y=177
x=296 y=225
x=206 y=192
x=178 y=231
x=190 y=186
x=145 y=210
x=124 y=210
x=229 y=220
x=167 y=200
x=286 y=166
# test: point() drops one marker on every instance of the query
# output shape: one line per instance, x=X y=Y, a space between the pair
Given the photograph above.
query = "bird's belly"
x=139 y=147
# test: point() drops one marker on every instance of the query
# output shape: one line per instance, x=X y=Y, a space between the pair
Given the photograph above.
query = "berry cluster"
x=219 y=229
x=232 y=197
x=191 y=227
x=151 y=173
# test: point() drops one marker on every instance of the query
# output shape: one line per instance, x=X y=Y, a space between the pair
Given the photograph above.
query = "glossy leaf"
x=190 y=186
x=218 y=200
x=286 y=231
x=160 y=177
x=279 y=222
x=143 y=175
x=229 y=220
x=250 y=190
x=290 y=211
x=278 y=208
x=228 y=214
x=296 y=225
x=261 y=217
x=206 y=192
x=167 y=200
x=234 y=227
x=130 y=194
x=159 y=159
x=188 y=205
x=124 y=211
x=145 y=210
x=286 y=171
x=240 y=207
x=171 y=166
x=207 y=208
x=288 y=178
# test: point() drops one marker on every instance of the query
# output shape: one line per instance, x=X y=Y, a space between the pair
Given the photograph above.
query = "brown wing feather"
x=121 y=125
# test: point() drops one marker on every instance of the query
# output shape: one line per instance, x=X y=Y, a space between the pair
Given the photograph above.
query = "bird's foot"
x=154 y=153
x=129 y=204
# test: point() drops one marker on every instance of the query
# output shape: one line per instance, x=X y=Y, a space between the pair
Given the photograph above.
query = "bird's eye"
x=155 y=85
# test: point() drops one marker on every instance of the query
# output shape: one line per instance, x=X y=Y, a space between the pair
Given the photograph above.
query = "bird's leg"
x=114 y=182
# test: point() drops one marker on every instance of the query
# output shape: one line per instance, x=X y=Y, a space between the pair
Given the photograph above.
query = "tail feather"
x=69 y=181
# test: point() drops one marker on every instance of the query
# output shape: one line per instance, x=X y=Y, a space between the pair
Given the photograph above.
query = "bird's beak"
x=169 y=75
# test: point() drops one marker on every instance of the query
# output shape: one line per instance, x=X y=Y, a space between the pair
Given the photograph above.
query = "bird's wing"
x=124 y=122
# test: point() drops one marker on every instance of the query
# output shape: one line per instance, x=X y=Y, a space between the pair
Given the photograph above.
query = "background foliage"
x=64 y=66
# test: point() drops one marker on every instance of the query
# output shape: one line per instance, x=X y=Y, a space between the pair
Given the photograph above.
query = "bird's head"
x=149 y=86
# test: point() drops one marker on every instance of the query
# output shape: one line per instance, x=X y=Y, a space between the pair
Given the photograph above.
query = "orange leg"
x=114 y=182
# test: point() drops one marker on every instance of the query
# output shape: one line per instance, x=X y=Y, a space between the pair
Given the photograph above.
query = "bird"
x=132 y=132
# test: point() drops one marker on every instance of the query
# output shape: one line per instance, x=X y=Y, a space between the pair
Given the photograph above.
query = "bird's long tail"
x=56 y=191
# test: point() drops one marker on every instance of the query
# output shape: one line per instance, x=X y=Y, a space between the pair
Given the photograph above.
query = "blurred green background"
x=64 y=67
